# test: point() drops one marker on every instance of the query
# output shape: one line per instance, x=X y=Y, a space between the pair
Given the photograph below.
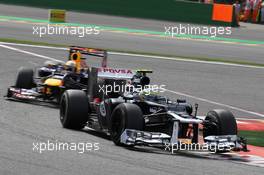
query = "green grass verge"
x=219 y=60
x=253 y=137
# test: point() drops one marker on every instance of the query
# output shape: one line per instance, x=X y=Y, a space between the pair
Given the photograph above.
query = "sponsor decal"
x=116 y=73
x=17 y=95
x=102 y=109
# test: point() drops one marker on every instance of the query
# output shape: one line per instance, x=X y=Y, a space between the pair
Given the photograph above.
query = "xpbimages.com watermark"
x=80 y=147
x=211 y=31
x=127 y=88
x=79 y=31
x=182 y=146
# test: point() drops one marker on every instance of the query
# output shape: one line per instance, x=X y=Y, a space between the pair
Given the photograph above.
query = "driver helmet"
x=70 y=66
x=147 y=94
x=152 y=95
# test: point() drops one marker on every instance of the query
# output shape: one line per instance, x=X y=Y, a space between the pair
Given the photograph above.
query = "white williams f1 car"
x=137 y=118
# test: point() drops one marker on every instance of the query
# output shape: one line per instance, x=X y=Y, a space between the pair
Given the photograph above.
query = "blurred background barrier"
x=169 y=10
x=222 y=12
x=262 y=13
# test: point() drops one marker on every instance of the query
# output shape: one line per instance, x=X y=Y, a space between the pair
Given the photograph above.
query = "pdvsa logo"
x=115 y=71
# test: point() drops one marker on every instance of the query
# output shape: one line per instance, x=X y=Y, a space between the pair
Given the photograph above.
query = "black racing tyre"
x=220 y=122
x=25 y=78
x=125 y=116
x=74 y=109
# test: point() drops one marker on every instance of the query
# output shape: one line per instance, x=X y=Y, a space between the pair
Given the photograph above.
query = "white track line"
x=145 y=56
x=175 y=92
x=35 y=46
x=30 y=53
x=216 y=103
x=242 y=123
x=186 y=60
x=250 y=119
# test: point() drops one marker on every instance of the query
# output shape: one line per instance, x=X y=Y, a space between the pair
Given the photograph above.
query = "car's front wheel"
x=219 y=122
x=25 y=78
x=125 y=116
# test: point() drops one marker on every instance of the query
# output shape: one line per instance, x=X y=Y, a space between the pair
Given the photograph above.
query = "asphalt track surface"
x=22 y=124
x=132 y=42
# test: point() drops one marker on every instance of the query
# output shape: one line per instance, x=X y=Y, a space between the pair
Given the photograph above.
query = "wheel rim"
x=210 y=128
x=63 y=109
x=117 y=124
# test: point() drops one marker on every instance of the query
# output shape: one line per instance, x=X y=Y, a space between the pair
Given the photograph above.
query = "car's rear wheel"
x=219 y=122
x=125 y=116
x=25 y=78
x=74 y=109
